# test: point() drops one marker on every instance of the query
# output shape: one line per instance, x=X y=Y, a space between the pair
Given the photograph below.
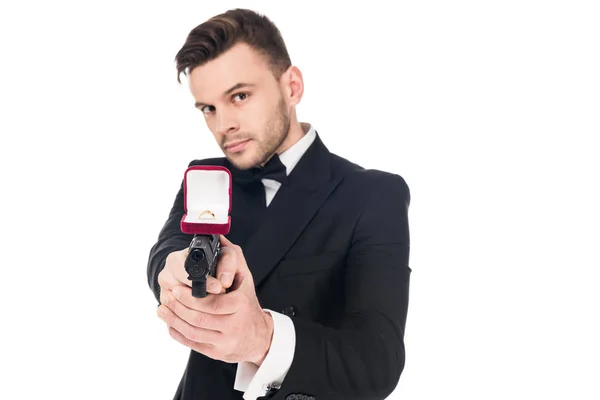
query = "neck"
x=296 y=132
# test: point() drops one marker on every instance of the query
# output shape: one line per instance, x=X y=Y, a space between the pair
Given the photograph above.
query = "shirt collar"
x=292 y=155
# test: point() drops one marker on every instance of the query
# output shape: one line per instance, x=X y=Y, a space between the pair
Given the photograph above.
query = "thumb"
x=225 y=242
x=242 y=275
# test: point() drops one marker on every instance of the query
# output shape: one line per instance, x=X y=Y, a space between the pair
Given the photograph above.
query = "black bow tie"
x=273 y=169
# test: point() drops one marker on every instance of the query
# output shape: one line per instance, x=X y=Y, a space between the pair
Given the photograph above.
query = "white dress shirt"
x=254 y=381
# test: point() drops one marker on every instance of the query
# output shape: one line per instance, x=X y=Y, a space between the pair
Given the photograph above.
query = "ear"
x=292 y=85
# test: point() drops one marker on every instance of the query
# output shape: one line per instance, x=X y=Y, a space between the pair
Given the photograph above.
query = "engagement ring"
x=207 y=212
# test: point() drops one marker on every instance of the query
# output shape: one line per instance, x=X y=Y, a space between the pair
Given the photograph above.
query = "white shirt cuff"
x=254 y=380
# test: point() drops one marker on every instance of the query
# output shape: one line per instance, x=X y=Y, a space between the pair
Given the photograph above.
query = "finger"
x=241 y=271
x=166 y=280
x=241 y=281
x=191 y=316
x=173 y=273
x=222 y=304
x=164 y=299
x=225 y=242
x=180 y=273
x=192 y=333
x=207 y=349
x=214 y=286
x=227 y=266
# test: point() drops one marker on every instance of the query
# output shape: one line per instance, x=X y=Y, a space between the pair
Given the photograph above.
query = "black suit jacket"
x=333 y=255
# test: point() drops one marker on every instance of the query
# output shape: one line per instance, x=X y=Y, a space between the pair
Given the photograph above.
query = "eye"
x=206 y=110
x=240 y=96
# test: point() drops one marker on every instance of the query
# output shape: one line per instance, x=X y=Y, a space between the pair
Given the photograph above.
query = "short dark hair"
x=218 y=34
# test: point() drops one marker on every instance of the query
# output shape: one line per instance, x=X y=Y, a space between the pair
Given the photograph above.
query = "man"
x=311 y=293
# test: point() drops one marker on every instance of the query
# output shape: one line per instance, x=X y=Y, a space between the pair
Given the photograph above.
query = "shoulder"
x=370 y=182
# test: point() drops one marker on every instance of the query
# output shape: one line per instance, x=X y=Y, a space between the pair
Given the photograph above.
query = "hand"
x=230 y=327
x=174 y=274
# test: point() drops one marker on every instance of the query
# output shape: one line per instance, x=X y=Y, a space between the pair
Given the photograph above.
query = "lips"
x=236 y=146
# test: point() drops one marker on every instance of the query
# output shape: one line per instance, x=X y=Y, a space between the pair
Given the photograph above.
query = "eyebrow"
x=235 y=87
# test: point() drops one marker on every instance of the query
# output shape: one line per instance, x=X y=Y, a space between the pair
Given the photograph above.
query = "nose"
x=226 y=123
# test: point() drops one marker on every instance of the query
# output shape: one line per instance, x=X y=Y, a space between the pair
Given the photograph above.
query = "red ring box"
x=206 y=187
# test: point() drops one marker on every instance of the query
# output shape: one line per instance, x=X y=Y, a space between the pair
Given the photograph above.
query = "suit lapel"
x=291 y=209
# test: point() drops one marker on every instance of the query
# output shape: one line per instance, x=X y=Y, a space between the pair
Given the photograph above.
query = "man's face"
x=243 y=105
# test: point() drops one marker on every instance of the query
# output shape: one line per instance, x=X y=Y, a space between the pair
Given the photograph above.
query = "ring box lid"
x=206 y=187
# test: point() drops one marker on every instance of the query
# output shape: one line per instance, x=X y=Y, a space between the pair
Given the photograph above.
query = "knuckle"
x=198 y=319
x=213 y=283
x=216 y=304
x=175 y=257
x=182 y=254
x=193 y=336
x=164 y=299
x=228 y=256
x=188 y=334
x=185 y=340
x=161 y=278
x=171 y=319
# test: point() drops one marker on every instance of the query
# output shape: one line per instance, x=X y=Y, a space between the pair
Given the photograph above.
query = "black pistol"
x=201 y=261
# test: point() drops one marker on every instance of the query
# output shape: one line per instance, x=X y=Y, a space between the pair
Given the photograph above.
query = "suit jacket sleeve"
x=170 y=238
x=363 y=356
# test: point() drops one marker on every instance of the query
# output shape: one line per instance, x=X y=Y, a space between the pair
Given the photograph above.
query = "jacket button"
x=289 y=311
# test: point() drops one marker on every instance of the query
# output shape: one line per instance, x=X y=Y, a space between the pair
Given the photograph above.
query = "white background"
x=489 y=110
